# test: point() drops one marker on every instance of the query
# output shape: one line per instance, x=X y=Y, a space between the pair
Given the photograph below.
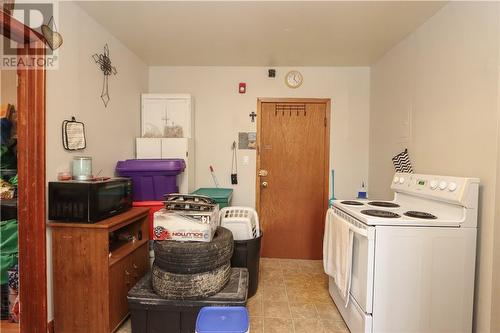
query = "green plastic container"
x=222 y=196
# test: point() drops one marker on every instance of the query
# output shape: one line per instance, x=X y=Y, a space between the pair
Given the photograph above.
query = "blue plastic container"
x=222 y=319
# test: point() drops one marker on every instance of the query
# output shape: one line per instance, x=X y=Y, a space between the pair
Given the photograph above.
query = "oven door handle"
x=358 y=231
x=350 y=222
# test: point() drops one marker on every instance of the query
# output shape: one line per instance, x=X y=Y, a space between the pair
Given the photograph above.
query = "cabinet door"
x=123 y=275
x=180 y=148
x=175 y=148
x=139 y=263
x=120 y=282
x=159 y=111
x=148 y=148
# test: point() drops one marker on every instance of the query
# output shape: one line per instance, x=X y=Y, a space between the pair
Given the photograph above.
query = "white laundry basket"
x=242 y=221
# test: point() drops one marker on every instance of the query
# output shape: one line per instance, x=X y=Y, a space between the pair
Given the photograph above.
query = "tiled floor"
x=292 y=298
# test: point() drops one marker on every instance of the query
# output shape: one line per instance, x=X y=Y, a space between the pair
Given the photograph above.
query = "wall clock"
x=294 y=79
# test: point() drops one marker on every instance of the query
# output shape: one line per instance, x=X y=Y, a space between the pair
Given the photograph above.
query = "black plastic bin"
x=152 y=314
x=247 y=254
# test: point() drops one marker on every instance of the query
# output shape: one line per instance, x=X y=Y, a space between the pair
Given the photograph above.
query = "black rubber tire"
x=194 y=257
x=189 y=286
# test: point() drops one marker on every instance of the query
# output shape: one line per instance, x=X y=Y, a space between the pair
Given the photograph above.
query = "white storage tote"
x=242 y=221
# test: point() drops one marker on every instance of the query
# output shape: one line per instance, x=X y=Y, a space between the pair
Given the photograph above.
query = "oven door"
x=363 y=260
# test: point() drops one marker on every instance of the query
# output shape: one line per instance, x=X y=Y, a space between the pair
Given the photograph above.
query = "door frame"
x=31 y=173
x=326 y=176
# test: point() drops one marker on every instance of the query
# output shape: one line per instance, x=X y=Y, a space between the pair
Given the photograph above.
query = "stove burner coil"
x=420 y=215
x=383 y=204
x=352 y=203
x=380 y=213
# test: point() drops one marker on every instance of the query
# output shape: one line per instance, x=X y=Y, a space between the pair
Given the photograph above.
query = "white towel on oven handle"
x=337 y=252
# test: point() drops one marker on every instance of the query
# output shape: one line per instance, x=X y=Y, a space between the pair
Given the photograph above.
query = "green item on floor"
x=8 y=159
x=13 y=180
x=222 y=196
x=8 y=247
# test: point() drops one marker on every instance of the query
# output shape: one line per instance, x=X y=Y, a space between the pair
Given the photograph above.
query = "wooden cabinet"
x=94 y=269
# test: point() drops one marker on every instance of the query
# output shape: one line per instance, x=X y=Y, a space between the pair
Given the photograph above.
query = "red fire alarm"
x=242 y=88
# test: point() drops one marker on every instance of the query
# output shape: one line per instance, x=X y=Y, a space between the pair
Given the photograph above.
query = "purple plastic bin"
x=152 y=179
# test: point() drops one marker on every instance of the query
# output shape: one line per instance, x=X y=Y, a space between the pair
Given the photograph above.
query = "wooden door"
x=292 y=176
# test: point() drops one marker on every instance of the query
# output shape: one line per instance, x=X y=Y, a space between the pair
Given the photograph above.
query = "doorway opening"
x=30 y=169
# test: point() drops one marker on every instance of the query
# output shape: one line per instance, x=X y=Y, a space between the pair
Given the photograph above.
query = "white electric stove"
x=413 y=257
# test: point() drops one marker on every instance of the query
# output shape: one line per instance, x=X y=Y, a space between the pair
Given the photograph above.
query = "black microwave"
x=89 y=201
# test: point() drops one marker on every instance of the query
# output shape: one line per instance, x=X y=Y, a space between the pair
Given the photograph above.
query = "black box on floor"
x=152 y=314
x=247 y=254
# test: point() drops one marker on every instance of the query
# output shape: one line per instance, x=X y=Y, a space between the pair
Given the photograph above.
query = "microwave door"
x=110 y=199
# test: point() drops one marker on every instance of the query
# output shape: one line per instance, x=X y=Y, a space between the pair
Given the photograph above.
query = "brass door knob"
x=265 y=184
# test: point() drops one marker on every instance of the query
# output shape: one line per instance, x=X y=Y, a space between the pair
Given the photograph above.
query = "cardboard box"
x=185 y=225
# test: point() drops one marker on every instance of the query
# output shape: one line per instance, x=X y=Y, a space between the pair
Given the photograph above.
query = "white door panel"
x=147 y=148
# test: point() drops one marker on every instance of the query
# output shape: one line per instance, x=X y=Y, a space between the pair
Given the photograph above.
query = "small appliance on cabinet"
x=89 y=201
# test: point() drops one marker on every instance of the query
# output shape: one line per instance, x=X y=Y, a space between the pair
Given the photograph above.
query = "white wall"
x=74 y=90
x=436 y=93
x=221 y=112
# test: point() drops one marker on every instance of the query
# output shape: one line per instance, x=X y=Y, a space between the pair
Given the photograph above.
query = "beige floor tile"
x=303 y=311
x=320 y=297
x=328 y=311
x=270 y=261
x=271 y=275
x=276 y=283
x=288 y=271
x=334 y=326
x=290 y=264
x=257 y=324
x=307 y=326
x=259 y=290
x=276 y=310
x=265 y=267
x=311 y=266
x=275 y=293
x=254 y=306
x=278 y=325
x=126 y=327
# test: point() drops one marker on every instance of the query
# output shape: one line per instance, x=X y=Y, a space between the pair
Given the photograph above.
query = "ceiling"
x=260 y=33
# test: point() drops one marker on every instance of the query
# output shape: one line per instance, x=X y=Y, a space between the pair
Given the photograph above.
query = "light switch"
x=246 y=160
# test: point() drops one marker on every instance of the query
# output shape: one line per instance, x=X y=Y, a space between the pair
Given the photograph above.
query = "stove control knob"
x=401 y=180
x=442 y=185
x=433 y=184
x=396 y=180
x=452 y=186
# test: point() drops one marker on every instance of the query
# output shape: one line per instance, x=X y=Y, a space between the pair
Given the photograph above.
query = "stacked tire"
x=192 y=270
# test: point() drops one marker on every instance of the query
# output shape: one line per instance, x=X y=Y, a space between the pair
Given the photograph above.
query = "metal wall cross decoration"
x=107 y=69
